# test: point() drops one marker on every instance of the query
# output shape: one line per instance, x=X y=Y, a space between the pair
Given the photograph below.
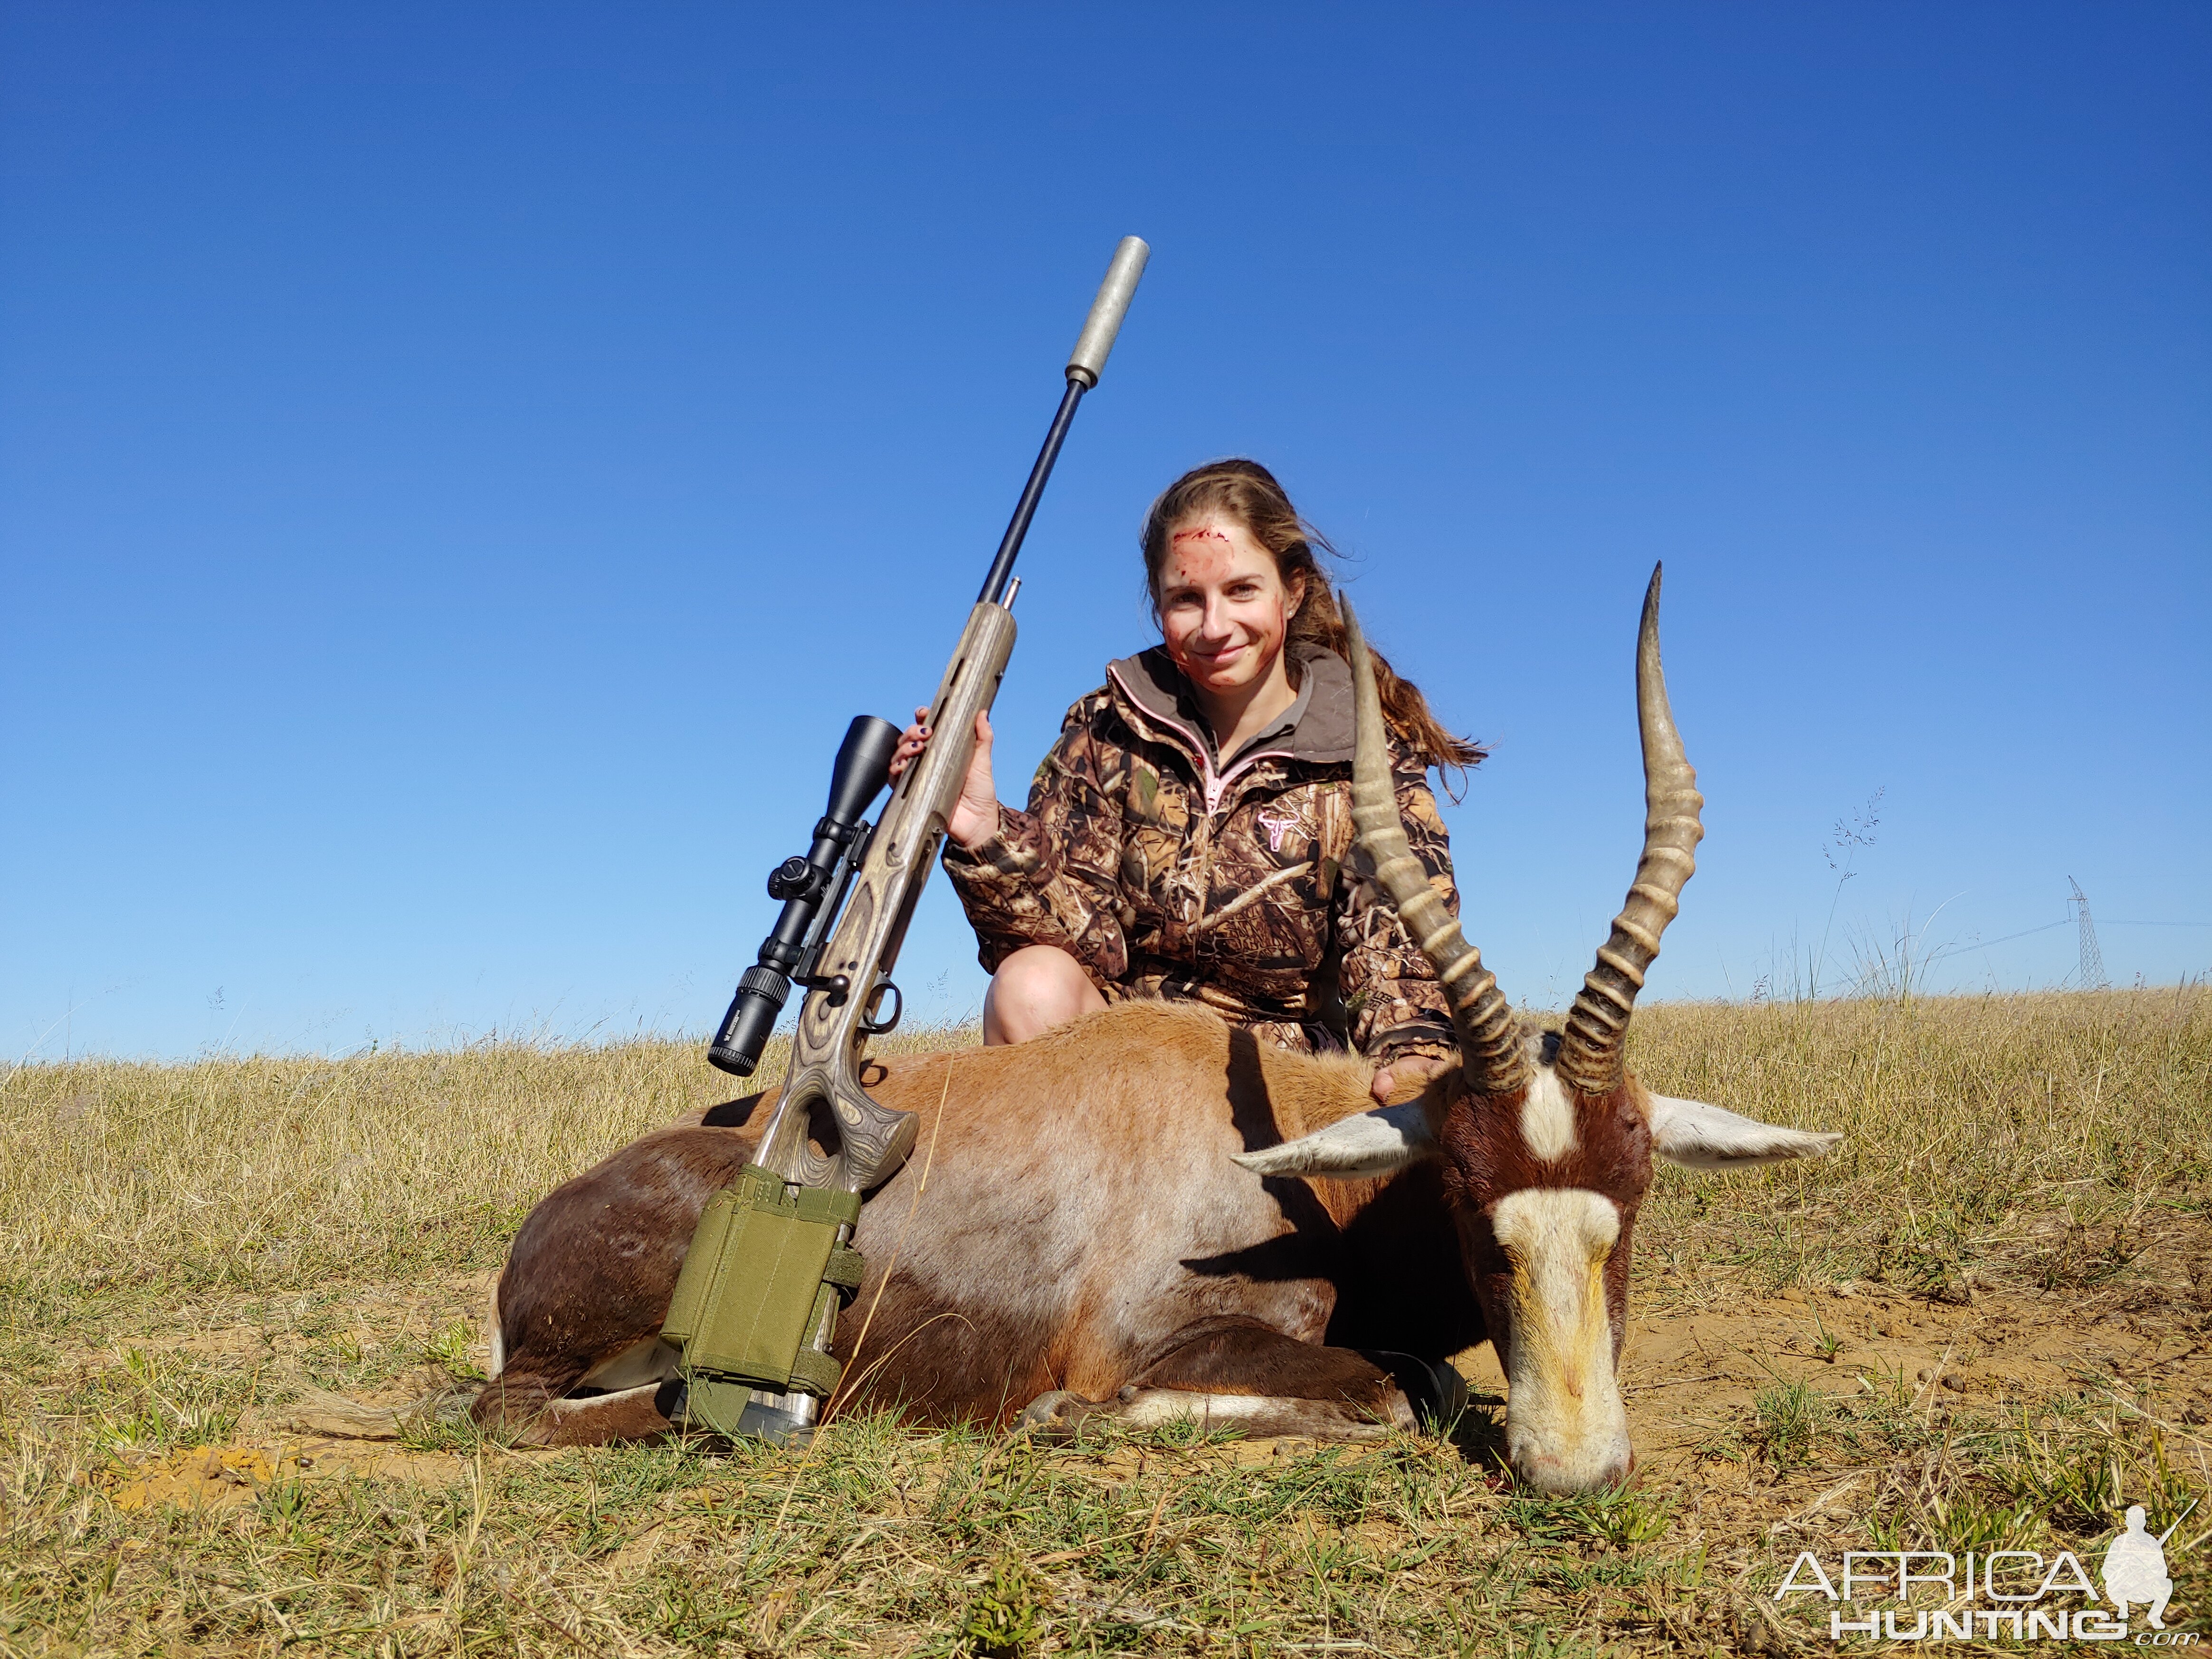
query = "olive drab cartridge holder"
x=756 y=1305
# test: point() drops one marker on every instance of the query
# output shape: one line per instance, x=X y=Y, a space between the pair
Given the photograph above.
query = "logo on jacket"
x=1277 y=823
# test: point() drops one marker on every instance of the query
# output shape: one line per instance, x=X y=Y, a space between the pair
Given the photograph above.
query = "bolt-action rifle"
x=755 y=1305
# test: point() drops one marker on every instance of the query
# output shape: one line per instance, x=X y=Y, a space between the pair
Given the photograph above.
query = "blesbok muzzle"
x=1566 y=1427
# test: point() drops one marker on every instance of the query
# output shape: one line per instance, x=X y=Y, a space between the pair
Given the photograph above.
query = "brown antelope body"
x=1148 y=1214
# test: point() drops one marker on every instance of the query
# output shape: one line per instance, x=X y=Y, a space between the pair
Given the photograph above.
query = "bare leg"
x=1037 y=988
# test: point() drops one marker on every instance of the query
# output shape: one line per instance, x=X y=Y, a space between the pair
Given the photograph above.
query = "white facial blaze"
x=1566 y=1427
x=1548 y=1118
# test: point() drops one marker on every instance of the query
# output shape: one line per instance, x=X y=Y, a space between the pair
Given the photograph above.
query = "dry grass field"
x=1986 y=1323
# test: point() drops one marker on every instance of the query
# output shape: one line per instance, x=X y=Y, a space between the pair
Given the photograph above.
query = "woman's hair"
x=1247 y=492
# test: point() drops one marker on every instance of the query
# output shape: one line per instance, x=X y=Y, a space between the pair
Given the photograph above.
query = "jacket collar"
x=1153 y=692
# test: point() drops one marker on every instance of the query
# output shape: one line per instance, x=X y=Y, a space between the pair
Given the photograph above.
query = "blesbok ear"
x=1713 y=1138
x=1377 y=1143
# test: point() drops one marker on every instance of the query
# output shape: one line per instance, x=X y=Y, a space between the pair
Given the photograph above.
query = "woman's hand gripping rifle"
x=755 y=1305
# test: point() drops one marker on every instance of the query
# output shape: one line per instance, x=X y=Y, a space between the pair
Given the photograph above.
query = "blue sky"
x=462 y=466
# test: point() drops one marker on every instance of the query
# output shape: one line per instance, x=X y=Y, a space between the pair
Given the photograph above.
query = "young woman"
x=1189 y=835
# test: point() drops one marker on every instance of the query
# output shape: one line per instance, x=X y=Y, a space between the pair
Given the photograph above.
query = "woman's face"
x=1223 y=606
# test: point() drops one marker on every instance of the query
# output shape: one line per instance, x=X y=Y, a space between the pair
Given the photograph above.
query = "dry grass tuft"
x=1984 y=1323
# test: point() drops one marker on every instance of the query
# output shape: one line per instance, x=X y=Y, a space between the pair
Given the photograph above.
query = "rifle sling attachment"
x=765 y=1271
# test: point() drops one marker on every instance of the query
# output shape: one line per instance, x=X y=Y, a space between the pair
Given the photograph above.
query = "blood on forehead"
x=1201 y=554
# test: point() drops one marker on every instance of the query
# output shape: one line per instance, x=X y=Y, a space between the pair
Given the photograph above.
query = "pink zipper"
x=1214 y=784
x=1214 y=789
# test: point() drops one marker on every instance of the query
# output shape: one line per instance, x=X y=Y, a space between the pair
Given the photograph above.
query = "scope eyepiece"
x=762 y=992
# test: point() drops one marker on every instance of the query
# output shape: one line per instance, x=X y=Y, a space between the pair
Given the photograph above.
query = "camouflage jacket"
x=1166 y=874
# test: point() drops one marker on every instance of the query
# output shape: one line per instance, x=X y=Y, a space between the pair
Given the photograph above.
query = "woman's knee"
x=1036 y=988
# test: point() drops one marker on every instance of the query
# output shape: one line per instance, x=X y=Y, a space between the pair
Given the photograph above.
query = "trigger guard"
x=870 y=1026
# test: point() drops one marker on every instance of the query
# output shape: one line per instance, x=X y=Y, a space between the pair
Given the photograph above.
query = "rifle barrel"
x=1002 y=566
x=1085 y=365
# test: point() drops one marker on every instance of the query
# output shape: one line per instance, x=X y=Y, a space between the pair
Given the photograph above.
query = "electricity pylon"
x=2092 y=977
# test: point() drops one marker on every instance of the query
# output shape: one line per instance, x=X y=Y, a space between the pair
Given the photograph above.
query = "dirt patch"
x=226 y=1477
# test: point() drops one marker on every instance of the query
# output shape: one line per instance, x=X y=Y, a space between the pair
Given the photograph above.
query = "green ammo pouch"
x=760 y=1276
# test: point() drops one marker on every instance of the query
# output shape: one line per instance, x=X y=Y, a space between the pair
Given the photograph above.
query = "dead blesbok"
x=1148 y=1214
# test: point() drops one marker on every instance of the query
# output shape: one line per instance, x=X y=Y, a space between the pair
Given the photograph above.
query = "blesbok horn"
x=1489 y=1044
x=1592 y=1055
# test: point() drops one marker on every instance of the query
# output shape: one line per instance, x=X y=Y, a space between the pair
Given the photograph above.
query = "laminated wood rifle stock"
x=846 y=905
x=852 y=981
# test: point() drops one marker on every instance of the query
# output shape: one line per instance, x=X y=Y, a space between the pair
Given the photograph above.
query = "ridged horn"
x=1489 y=1044
x=1592 y=1051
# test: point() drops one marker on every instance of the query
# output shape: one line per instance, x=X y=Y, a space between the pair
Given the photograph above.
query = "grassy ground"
x=1984 y=1323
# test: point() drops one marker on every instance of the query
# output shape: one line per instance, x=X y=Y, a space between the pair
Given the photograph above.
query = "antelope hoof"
x=1058 y=1414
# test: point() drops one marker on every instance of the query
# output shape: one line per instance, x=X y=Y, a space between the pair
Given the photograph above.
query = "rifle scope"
x=809 y=888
